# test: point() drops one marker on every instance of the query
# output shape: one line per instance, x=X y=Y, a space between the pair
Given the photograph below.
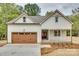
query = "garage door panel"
x=15 y=36
x=28 y=37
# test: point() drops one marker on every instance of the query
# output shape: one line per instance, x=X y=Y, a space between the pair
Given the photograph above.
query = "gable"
x=27 y=20
x=56 y=13
x=19 y=19
x=61 y=24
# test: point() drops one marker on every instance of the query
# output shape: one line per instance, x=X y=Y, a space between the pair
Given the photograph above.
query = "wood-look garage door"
x=28 y=37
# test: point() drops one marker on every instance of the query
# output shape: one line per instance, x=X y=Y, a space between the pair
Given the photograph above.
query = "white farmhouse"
x=38 y=29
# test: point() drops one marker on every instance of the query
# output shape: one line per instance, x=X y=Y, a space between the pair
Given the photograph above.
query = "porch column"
x=48 y=34
x=71 y=35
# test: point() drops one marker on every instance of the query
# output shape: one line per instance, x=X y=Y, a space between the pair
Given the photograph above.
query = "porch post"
x=48 y=34
x=71 y=35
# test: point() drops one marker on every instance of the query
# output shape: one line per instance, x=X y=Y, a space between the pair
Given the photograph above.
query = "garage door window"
x=27 y=33
x=21 y=33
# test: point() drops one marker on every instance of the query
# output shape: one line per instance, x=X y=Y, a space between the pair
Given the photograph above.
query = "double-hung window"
x=24 y=19
x=56 y=19
x=56 y=32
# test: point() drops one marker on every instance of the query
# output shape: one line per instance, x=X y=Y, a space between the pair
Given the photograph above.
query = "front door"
x=44 y=34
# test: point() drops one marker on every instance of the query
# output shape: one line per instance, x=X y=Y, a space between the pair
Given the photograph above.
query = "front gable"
x=27 y=20
x=19 y=19
x=62 y=23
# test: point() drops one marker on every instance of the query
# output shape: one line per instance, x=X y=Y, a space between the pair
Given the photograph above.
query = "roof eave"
x=23 y=23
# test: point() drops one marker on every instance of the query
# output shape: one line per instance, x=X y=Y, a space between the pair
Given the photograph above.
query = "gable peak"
x=57 y=11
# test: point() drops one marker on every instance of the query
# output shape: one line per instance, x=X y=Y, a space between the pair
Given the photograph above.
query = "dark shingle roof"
x=37 y=19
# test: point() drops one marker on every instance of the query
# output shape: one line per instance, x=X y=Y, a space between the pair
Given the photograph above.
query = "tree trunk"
x=78 y=32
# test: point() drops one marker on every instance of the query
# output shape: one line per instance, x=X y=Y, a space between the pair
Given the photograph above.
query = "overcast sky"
x=65 y=8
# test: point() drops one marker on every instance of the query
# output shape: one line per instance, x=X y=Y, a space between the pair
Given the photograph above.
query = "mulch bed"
x=45 y=50
x=65 y=45
x=1 y=45
x=55 y=46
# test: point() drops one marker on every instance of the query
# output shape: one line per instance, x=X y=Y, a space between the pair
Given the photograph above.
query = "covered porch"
x=50 y=36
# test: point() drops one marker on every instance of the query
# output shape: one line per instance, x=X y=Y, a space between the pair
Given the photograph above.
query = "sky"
x=65 y=8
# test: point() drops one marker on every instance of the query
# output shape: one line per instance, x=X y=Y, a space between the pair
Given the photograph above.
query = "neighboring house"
x=37 y=29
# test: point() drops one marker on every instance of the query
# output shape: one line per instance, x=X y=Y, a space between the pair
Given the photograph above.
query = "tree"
x=20 y=8
x=75 y=11
x=32 y=9
x=8 y=11
x=48 y=13
x=75 y=19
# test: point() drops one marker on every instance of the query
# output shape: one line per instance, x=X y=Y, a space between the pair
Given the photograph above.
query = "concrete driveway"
x=20 y=50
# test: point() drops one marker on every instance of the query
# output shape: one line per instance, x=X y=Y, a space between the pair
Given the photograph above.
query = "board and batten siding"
x=61 y=38
x=24 y=28
x=61 y=24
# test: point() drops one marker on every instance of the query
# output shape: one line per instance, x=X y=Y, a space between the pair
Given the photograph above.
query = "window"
x=45 y=35
x=56 y=32
x=68 y=33
x=56 y=19
x=24 y=19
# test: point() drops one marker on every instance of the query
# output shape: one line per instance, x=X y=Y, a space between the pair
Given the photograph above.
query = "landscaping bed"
x=45 y=50
x=65 y=45
x=3 y=42
x=55 y=46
